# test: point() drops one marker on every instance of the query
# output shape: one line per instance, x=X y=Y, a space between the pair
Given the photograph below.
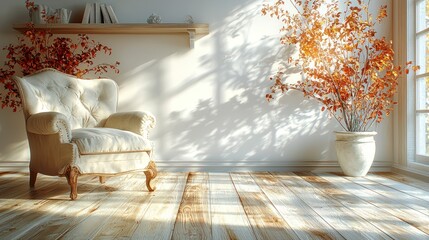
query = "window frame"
x=405 y=125
x=417 y=33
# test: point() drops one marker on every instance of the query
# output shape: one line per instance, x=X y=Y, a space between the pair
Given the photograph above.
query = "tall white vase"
x=355 y=152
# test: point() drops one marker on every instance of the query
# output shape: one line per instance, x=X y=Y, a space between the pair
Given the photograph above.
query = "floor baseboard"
x=258 y=166
x=232 y=166
x=411 y=172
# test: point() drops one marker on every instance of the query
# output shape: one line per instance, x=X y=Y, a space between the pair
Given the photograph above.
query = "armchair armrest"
x=46 y=123
x=137 y=122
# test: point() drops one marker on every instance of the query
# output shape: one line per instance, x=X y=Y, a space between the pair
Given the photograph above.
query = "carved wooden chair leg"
x=33 y=177
x=102 y=179
x=150 y=173
x=71 y=175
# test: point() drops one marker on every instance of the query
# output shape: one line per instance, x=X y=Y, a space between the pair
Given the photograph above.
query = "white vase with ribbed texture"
x=355 y=152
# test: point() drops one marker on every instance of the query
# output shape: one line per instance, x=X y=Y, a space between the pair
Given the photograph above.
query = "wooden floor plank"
x=28 y=199
x=401 y=187
x=126 y=218
x=6 y=178
x=229 y=220
x=339 y=217
x=398 y=196
x=406 y=180
x=306 y=223
x=123 y=222
x=158 y=220
x=12 y=180
x=193 y=219
x=408 y=215
x=410 y=190
x=392 y=226
x=76 y=211
x=27 y=221
x=21 y=189
x=266 y=222
x=93 y=222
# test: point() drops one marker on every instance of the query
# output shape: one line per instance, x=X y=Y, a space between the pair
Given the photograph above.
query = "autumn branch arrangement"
x=345 y=65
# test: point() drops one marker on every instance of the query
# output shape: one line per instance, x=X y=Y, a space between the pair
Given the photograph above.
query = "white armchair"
x=73 y=129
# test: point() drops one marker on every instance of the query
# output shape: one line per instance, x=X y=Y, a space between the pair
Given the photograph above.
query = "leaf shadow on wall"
x=244 y=127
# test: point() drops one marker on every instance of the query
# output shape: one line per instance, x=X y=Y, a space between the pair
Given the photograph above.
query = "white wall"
x=209 y=101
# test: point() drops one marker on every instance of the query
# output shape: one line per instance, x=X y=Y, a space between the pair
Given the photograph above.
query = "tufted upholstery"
x=86 y=103
x=72 y=124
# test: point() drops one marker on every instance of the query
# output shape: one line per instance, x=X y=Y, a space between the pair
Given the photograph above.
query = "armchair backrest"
x=86 y=103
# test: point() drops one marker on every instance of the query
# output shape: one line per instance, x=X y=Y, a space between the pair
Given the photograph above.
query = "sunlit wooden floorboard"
x=199 y=205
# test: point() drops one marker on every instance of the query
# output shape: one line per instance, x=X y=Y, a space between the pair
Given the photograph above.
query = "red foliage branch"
x=38 y=49
x=345 y=65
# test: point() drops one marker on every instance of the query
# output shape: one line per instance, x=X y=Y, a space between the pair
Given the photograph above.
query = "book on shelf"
x=104 y=13
x=92 y=14
x=97 y=12
x=112 y=14
x=85 y=18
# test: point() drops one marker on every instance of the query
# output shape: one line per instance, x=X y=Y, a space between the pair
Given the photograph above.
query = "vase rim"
x=369 y=133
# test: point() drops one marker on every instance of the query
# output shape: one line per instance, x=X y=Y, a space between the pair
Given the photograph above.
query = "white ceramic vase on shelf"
x=355 y=152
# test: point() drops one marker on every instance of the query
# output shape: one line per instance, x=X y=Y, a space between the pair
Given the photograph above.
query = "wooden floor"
x=217 y=206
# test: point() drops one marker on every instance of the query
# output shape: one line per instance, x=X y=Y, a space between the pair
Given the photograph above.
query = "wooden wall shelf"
x=127 y=28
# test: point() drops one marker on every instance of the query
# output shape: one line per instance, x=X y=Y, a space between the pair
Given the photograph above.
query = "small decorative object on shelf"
x=45 y=14
x=154 y=18
x=189 y=19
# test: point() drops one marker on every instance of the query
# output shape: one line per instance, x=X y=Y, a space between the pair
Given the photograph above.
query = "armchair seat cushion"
x=108 y=140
